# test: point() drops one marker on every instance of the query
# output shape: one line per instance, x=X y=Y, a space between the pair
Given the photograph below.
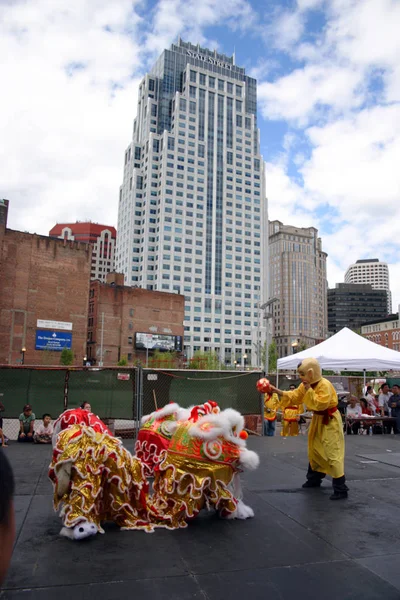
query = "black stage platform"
x=299 y=545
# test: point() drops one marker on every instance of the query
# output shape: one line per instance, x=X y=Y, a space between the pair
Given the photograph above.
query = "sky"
x=328 y=76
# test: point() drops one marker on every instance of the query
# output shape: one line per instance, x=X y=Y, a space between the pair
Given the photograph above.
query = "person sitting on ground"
x=26 y=424
x=7 y=517
x=353 y=411
x=86 y=406
x=44 y=433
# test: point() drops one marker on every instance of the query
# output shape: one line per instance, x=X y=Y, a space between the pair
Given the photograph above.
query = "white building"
x=192 y=213
x=371 y=271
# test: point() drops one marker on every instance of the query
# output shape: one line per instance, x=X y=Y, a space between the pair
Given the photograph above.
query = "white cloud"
x=63 y=135
x=300 y=94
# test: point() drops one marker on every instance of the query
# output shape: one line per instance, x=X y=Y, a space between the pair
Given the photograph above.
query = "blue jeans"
x=269 y=427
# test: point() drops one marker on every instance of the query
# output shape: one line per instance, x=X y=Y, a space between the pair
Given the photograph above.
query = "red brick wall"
x=41 y=278
x=160 y=310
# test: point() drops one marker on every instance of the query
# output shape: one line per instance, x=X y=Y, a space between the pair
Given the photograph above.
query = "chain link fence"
x=122 y=395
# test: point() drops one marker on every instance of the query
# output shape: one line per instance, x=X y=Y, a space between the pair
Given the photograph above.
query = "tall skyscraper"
x=101 y=237
x=372 y=271
x=192 y=213
x=298 y=280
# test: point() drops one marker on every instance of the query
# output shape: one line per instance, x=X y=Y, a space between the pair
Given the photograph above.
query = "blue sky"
x=329 y=108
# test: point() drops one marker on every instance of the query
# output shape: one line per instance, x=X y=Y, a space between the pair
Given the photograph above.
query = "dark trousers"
x=25 y=439
x=315 y=477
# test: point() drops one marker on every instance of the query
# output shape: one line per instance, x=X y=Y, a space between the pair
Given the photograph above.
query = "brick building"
x=117 y=313
x=101 y=237
x=44 y=296
x=385 y=332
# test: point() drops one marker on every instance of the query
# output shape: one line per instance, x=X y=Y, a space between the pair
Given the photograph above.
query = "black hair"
x=300 y=363
x=369 y=387
x=83 y=404
x=46 y=415
x=6 y=487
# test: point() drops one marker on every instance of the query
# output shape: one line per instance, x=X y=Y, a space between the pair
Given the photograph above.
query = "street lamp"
x=23 y=350
x=295 y=345
x=235 y=363
x=84 y=360
x=244 y=360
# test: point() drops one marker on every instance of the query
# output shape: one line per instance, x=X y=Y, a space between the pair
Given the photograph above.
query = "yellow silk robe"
x=271 y=405
x=290 y=424
x=325 y=442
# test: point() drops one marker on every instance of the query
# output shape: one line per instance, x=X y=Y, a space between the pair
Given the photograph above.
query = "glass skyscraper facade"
x=192 y=213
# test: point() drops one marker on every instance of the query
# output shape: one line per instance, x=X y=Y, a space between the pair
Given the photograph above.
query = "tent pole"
x=365 y=382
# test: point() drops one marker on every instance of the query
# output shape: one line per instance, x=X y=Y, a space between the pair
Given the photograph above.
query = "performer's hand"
x=306 y=385
x=274 y=390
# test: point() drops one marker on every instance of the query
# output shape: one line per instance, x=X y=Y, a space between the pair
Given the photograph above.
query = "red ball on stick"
x=263 y=385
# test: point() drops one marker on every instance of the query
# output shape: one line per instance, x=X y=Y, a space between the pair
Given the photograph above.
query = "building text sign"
x=54 y=325
x=52 y=340
x=209 y=60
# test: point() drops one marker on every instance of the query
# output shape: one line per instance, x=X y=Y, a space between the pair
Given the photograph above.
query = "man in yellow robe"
x=291 y=419
x=325 y=436
x=271 y=405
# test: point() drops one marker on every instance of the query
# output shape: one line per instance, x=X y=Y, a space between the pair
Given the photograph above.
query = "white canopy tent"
x=346 y=350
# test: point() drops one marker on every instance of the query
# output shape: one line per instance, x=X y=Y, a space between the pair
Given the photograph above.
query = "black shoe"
x=338 y=495
x=311 y=484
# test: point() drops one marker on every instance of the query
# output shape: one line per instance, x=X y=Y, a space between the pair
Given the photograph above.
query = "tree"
x=67 y=357
x=272 y=357
x=163 y=360
x=123 y=362
x=205 y=361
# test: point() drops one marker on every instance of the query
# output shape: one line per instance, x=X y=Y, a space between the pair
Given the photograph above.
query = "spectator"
x=44 y=433
x=7 y=519
x=353 y=411
x=371 y=399
x=383 y=400
x=26 y=424
x=394 y=404
x=86 y=406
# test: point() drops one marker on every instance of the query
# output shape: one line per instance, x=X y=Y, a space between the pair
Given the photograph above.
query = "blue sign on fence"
x=52 y=340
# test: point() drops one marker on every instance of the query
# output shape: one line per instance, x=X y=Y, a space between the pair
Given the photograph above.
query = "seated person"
x=372 y=401
x=26 y=424
x=44 y=432
x=86 y=406
x=353 y=410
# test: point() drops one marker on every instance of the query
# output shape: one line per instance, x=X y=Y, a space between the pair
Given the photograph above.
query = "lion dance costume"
x=95 y=478
x=201 y=469
x=196 y=457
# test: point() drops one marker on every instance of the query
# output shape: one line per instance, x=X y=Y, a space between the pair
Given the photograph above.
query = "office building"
x=298 y=280
x=354 y=304
x=192 y=204
x=371 y=271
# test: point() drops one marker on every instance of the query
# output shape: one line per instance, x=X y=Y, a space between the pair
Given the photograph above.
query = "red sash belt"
x=327 y=414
